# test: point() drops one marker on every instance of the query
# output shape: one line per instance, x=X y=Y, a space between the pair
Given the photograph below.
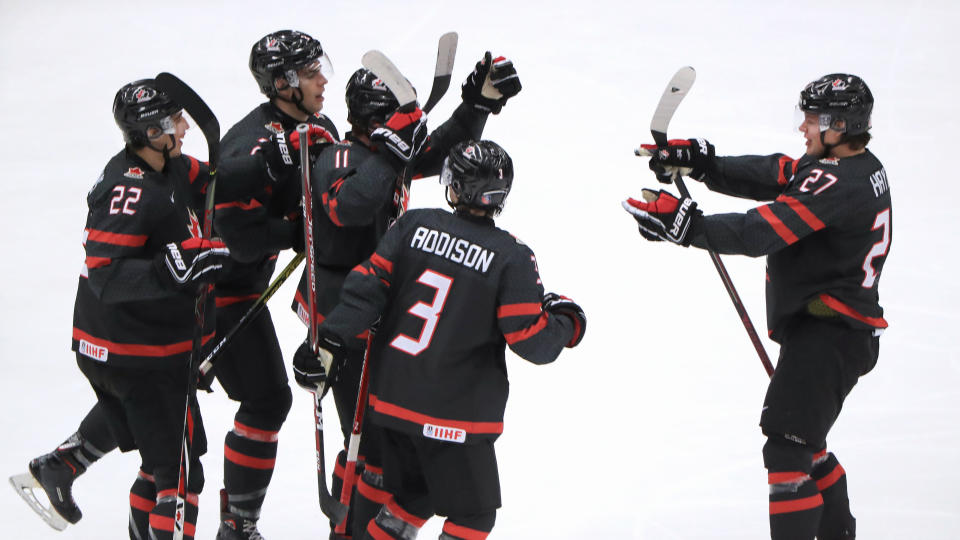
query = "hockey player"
x=450 y=290
x=134 y=313
x=357 y=196
x=826 y=233
x=259 y=215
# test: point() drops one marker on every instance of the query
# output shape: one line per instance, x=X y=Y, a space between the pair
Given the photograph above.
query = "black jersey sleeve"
x=760 y=178
x=815 y=198
x=243 y=217
x=532 y=333
x=122 y=215
x=352 y=183
x=465 y=124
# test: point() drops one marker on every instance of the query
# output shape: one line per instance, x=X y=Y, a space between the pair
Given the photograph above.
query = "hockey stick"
x=181 y=93
x=255 y=310
x=353 y=449
x=446 y=54
x=328 y=505
x=675 y=92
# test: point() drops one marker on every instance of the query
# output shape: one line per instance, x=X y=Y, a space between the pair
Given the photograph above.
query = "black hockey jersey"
x=356 y=196
x=826 y=233
x=124 y=313
x=255 y=215
x=453 y=290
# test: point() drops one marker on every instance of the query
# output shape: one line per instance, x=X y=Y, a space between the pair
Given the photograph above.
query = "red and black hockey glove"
x=561 y=305
x=492 y=82
x=687 y=157
x=661 y=216
x=402 y=137
x=315 y=135
x=192 y=262
x=311 y=370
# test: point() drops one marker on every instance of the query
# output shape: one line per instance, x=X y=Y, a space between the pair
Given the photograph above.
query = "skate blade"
x=27 y=486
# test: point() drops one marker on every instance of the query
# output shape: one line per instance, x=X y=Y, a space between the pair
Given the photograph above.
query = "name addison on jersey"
x=455 y=249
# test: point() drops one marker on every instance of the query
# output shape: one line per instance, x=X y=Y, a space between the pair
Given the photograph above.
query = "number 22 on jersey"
x=430 y=313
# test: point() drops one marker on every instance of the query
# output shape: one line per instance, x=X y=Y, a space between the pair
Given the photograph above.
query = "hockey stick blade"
x=399 y=86
x=446 y=54
x=331 y=507
x=672 y=96
x=196 y=108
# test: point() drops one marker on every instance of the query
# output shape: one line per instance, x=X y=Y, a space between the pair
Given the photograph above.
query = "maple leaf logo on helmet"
x=839 y=84
x=144 y=94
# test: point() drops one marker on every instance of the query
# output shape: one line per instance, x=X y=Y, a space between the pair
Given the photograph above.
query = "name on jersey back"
x=458 y=250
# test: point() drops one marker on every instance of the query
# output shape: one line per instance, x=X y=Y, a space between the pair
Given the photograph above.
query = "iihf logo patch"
x=134 y=172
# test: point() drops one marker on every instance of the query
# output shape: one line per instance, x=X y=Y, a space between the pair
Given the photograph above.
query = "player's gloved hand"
x=297 y=239
x=492 y=82
x=205 y=381
x=311 y=370
x=315 y=135
x=401 y=137
x=192 y=262
x=661 y=216
x=561 y=305
x=279 y=161
x=687 y=157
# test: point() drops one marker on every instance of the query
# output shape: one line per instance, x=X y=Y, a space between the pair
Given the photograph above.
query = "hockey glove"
x=687 y=157
x=315 y=135
x=492 y=82
x=279 y=161
x=402 y=137
x=192 y=262
x=561 y=305
x=311 y=370
x=661 y=216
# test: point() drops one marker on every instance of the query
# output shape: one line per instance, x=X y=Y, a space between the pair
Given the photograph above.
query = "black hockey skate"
x=235 y=527
x=54 y=473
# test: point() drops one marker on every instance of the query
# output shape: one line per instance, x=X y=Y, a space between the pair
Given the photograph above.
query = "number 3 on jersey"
x=430 y=313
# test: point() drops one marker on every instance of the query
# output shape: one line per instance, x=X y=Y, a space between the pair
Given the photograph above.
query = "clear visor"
x=321 y=65
x=167 y=126
x=824 y=121
x=446 y=174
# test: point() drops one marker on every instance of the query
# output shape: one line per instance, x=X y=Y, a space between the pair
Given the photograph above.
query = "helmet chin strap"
x=164 y=150
x=297 y=100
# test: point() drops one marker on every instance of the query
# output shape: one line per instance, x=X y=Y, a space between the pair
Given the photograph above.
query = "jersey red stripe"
x=223 y=301
x=240 y=205
x=397 y=411
x=843 y=309
x=516 y=310
x=528 y=332
x=133 y=349
x=782 y=230
x=799 y=505
x=466 y=533
x=782 y=179
x=97 y=262
x=117 y=239
x=381 y=263
x=805 y=214
x=786 y=477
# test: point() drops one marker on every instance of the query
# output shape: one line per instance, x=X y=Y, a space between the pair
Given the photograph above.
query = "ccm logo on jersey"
x=681 y=214
x=93 y=351
x=444 y=433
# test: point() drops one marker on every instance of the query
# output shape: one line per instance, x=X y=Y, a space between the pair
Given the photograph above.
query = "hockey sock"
x=837 y=523
x=249 y=455
x=162 y=515
x=143 y=497
x=368 y=498
x=336 y=488
x=95 y=436
x=475 y=527
x=393 y=522
x=795 y=501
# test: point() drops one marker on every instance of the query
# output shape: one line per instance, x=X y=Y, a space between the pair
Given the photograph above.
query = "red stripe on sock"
x=831 y=478
x=798 y=505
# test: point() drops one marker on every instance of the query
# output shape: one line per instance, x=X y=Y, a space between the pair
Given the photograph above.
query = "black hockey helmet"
x=839 y=97
x=368 y=99
x=140 y=106
x=480 y=173
x=281 y=54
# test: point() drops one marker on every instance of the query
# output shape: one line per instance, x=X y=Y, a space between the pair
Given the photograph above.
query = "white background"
x=649 y=428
